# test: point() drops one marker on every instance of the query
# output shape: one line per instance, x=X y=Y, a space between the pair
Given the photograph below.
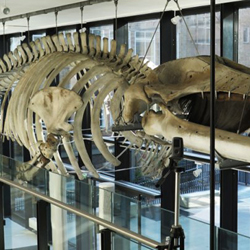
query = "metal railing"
x=112 y=227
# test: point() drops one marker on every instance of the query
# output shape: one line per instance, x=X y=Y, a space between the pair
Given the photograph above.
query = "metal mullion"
x=2 y=216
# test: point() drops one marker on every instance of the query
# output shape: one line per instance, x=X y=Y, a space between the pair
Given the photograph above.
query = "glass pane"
x=140 y=35
x=230 y=240
x=38 y=36
x=103 y=31
x=243 y=177
x=197 y=233
x=15 y=41
x=140 y=217
x=199 y=26
x=243 y=37
x=18 y=151
x=20 y=228
x=123 y=243
x=243 y=203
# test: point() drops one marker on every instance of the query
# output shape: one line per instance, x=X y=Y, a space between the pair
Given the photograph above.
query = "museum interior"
x=124 y=125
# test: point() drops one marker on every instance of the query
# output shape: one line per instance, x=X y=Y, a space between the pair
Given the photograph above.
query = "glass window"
x=243 y=177
x=243 y=36
x=139 y=38
x=199 y=26
x=38 y=36
x=103 y=31
x=246 y=35
x=15 y=41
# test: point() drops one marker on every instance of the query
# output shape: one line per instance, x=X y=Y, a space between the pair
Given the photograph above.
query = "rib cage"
x=34 y=66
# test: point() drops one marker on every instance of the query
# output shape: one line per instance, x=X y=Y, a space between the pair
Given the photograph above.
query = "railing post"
x=42 y=225
x=106 y=239
x=2 y=222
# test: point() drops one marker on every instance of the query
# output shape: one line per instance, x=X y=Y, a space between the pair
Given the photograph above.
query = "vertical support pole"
x=168 y=38
x=229 y=178
x=168 y=53
x=228 y=209
x=212 y=125
x=7 y=201
x=106 y=239
x=42 y=225
x=167 y=203
x=1 y=216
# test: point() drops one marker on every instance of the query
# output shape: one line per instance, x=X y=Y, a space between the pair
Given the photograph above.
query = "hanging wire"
x=81 y=17
x=56 y=15
x=145 y=55
x=189 y=32
x=152 y=38
x=3 y=37
x=116 y=17
x=28 y=25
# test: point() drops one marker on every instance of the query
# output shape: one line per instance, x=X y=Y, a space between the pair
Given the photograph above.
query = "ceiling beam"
x=54 y=9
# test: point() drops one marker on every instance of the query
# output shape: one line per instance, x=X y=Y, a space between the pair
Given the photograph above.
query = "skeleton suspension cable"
x=153 y=36
x=81 y=17
x=116 y=16
x=56 y=14
x=3 y=37
x=189 y=32
x=28 y=25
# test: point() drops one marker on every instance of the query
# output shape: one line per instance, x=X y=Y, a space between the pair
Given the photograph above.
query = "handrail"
x=123 y=231
x=132 y=188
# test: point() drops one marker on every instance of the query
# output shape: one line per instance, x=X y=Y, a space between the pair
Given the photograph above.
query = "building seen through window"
x=139 y=37
x=243 y=37
x=199 y=26
x=103 y=31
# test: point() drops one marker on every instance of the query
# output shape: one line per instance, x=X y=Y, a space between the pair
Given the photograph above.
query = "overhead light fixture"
x=197 y=172
x=175 y=20
x=5 y=9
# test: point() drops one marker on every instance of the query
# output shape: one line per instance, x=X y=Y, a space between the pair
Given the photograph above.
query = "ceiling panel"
x=94 y=12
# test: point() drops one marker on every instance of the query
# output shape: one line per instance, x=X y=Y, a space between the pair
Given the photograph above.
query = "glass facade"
x=140 y=35
x=98 y=202
x=103 y=31
x=194 y=189
x=243 y=37
x=199 y=27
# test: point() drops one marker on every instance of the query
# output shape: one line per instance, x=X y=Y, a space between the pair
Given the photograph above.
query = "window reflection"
x=15 y=41
x=103 y=31
x=199 y=26
x=139 y=37
x=243 y=36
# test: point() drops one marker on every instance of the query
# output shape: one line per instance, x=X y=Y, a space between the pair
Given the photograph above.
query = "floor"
x=197 y=233
x=17 y=237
